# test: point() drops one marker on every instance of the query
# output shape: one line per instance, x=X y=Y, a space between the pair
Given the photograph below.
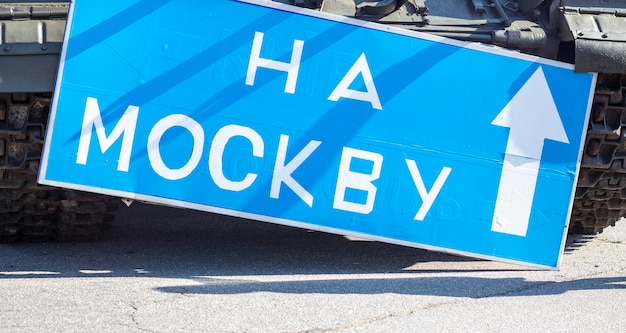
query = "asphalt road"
x=169 y=270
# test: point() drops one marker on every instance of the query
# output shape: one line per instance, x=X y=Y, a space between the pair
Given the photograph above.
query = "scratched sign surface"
x=300 y=118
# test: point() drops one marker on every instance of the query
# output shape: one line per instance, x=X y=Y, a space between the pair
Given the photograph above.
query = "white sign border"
x=262 y=218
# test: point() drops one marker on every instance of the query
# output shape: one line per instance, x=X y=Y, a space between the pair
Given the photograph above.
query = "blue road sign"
x=291 y=116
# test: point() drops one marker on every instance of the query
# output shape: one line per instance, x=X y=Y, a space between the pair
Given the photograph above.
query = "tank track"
x=33 y=212
x=600 y=198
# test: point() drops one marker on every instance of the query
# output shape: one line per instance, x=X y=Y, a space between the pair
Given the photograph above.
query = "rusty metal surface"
x=601 y=190
x=29 y=211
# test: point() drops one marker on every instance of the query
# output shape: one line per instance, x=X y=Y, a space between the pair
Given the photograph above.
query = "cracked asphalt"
x=163 y=269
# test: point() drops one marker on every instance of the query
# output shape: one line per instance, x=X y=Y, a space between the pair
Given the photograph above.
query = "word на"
x=292 y=68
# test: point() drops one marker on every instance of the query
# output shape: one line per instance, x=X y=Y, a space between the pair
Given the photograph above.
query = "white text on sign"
x=283 y=169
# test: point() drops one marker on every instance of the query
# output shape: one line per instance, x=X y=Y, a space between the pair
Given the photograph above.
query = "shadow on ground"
x=461 y=286
x=173 y=242
x=216 y=253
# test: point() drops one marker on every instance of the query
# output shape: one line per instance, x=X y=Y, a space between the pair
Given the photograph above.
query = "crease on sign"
x=525 y=164
x=124 y=58
x=452 y=154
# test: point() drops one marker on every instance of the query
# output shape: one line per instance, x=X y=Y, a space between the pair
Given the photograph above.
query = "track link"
x=29 y=211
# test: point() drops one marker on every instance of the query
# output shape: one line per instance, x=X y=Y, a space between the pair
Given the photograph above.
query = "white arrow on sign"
x=532 y=117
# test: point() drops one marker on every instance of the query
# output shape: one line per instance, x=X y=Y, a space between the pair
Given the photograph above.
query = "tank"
x=588 y=34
